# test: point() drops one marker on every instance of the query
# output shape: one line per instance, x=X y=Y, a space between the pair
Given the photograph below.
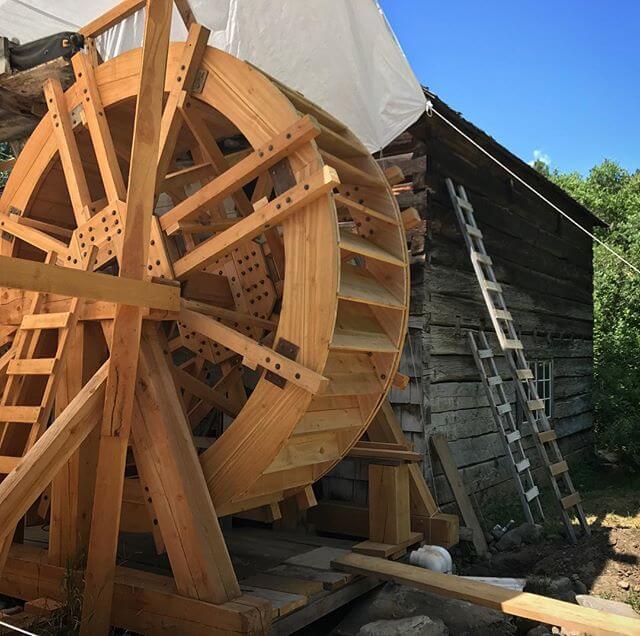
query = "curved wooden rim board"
x=284 y=439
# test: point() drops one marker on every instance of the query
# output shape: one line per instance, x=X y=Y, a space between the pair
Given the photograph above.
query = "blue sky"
x=558 y=77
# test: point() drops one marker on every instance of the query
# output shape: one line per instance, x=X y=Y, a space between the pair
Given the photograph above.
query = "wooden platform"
x=292 y=571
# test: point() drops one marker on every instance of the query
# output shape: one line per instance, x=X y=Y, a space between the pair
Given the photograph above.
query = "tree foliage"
x=613 y=194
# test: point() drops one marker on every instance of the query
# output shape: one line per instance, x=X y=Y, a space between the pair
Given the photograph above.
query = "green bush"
x=613 y=194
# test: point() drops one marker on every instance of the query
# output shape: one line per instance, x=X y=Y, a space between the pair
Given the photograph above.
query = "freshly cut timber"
x=257 y=310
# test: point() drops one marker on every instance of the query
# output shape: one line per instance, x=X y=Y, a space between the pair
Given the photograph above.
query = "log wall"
x=545 y=267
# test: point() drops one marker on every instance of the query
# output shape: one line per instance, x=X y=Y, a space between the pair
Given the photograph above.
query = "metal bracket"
x=288 y=350
x=199 y=81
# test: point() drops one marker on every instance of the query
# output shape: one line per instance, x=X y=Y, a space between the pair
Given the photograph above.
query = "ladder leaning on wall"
x=507 y=425
x=544 y=436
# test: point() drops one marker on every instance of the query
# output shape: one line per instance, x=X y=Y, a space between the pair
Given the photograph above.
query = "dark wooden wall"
x=545 y=266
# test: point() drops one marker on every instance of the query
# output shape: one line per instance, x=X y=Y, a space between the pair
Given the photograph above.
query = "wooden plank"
x=24 y=414
x=15 y=225
x=269 y=215
x=389 y=509
x=22 y=487
x=329 y=580
x=358 y=285
x=397 y=453
x=112 y=17
x=241 y=173
x=32 y=366
x=254 y=353
x=58 y=320
x=99 y=128
x=386 y=550
x=127 y=324
x=19 y=273
x=170 y=468
x=318 y=559
x=68 y=150
x=464 y=503
x=283 y=583
x=356 y=244
x=144 y=603
x=180 y=84
x=523 y=604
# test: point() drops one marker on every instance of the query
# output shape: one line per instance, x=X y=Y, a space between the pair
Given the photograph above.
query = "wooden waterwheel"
x=206 y=295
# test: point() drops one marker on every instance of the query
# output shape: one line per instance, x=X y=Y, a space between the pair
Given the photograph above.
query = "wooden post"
x=389 y=518
x=127 y=325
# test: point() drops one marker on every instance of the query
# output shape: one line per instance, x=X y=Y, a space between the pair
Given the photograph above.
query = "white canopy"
x=342 y=54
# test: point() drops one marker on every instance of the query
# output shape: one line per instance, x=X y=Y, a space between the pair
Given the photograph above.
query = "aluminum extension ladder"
x=544 y=436
x=507 y=426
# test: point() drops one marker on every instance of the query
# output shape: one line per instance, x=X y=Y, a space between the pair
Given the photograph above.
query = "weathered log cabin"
x=544 y=264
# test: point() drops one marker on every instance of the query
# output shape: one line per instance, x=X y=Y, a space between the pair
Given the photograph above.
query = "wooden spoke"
x=253 y=353
x=99 y=129
x=127 y=325
x=10 y=223
x=68 y=149
x=241 y=173
x=262 y=219
x=179 y=84
x=41 y=277
x=212 y=153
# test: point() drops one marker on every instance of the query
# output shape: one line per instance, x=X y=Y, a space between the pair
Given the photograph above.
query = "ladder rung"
x=465 y=204
x=473 y=231
x=570 y=500
x=547 y=436
x=558 y=468
x=522 y=465
x=532 y=493
x=20 y=414
x=31 y=366
x=502 y=314
x=504 y=408
x=514 y=436
x=485 y=353
x=46 y=321
x=512 y=344
x=7 y=464
x=491 y=286
x=494 y=380
x=535 y=405
x=524 y=374
x=482 y=258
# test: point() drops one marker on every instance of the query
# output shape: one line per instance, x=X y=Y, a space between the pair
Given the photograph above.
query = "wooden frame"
x=295 y=334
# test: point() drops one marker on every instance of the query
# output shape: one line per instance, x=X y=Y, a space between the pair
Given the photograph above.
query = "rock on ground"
x=613 y=607
x=396 y=601
x=412 y=626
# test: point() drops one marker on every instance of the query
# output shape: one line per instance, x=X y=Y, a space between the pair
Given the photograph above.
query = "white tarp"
x=342 y=54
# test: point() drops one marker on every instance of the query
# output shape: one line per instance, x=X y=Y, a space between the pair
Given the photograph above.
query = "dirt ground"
x=608 y=562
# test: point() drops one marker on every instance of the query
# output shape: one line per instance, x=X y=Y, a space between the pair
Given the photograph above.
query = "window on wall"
x=543 y=377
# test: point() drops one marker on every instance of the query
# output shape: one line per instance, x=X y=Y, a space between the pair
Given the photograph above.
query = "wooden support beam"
x=464 y=503
x=98 y=125
x=127 y=324
x=144 y=603
x=179 y=85
x=386 y=428
x=384 y=451
x=253 y=353
x=211 y=152
x=389 y=515
x=170 y=468
x=268 y=215
x=203 y=391
x=303 y=131
x=37 y=468
x=531 y=606
x=12 y=224
x=111 y=18
x=19 y=273
x=68 y=150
